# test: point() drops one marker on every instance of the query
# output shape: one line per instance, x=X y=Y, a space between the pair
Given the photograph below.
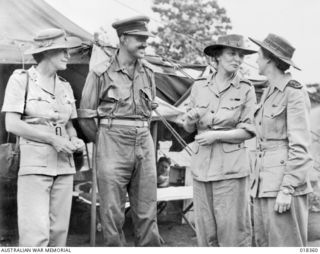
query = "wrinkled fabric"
x=289 y=229
x=116 y=94
x=230 y=109
x=126 y=163
x=44 y=207
x=222 y=213
x=44 y=111
x=283 y=141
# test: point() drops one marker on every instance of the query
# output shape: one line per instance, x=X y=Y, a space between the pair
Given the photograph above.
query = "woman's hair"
x=282 y=66
x=216 y=53
x=38 y=57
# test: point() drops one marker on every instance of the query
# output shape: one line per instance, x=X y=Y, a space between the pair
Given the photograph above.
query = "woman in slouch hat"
x=280 y=180
x=39 y=107
x=221 y=110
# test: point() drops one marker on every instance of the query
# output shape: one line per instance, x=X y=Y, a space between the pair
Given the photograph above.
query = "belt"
x=272 y=145
x=125 y=122
x=59 y=130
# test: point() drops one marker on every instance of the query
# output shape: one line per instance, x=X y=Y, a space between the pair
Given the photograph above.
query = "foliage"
x=188 y=26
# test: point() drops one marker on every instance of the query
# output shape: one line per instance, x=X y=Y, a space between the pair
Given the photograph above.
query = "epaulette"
x=20 y=71
x=147 y=64
x=246 y=81
x=101 y=60
x=294 y=84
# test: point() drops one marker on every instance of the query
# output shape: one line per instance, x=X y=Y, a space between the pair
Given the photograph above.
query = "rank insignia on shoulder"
x=294 y=84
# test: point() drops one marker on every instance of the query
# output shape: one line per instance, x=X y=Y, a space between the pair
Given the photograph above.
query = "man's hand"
x=206 y=138
x=283 y=202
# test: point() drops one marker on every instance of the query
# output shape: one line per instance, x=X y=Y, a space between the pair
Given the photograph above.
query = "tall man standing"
x=121 y=94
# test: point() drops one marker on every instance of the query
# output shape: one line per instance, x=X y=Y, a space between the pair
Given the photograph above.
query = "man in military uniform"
x=121 y=95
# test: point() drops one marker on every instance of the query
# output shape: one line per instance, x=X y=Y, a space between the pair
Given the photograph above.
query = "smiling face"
x=135 y=45
x=230 y=59
x=58 y=58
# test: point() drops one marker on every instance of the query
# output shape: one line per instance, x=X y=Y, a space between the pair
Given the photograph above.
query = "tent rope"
x=175 y=134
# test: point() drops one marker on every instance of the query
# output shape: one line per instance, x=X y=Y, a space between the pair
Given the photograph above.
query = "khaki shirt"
x=119 y=94
x=283 y=140
x=44 y=111
x=230 y=109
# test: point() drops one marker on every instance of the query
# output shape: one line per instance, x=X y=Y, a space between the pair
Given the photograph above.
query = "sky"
x=296 y=20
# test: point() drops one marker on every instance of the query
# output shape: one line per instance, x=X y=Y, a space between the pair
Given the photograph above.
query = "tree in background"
x=188 y=26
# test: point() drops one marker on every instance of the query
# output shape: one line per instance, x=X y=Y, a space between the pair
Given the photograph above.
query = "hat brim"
x=210 y=50
x=143 y=33
x=266 y=47
x=70 y=42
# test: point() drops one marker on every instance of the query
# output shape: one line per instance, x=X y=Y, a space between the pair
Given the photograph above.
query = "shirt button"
x=260 y=155
x=259 y=123
x=282 y=162
x=53 y=97
x=212 y=111
x=272 y=115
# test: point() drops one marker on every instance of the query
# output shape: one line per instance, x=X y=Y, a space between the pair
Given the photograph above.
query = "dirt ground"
x=172 y=231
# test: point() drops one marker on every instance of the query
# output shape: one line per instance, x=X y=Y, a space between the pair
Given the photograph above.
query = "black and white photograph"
x=159 y=123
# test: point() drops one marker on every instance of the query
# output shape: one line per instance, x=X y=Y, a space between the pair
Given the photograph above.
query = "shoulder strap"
x=294 y=84
x=26 y=92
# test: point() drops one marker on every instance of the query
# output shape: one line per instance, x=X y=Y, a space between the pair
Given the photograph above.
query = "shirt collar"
x=235 y=80
x=118 y=67
x=282 y=84
x=34 y=76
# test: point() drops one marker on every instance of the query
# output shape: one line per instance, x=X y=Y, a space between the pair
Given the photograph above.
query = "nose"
x=238 y=57
x=66 y=53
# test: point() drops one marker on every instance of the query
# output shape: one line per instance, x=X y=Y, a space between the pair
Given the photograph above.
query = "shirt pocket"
x=274 y=122
x=33 y=154
x=231 y=110
x=38 y=106
x=272 y=172
x=114 y=97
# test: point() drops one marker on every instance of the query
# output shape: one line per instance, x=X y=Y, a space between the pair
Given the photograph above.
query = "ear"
x=122 y=38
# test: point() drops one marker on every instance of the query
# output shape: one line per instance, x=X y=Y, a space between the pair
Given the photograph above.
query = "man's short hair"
x=164 y=158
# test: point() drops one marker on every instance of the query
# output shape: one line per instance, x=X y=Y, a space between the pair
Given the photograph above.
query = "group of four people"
x=115 y=113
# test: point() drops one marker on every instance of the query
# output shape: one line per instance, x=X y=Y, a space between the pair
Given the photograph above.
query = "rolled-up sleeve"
x=187 y=125
x=298 y=127
x=247 y=114
x=88 y=106
x=14 y=98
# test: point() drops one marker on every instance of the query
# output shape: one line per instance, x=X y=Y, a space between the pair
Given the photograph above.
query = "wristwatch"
x=286 y=190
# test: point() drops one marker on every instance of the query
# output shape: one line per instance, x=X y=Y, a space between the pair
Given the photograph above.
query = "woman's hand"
x=193 y=114
x=78 y=143
x=63 y=144
x=206 y=138
x=283 y=202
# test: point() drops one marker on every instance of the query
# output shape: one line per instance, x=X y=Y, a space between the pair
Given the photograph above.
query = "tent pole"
x=93 y=198
x=155 y=137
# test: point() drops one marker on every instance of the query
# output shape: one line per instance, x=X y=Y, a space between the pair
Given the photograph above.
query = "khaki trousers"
x=222 y=213
x=126 y=163
x=275 y=229
x=44 y=206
